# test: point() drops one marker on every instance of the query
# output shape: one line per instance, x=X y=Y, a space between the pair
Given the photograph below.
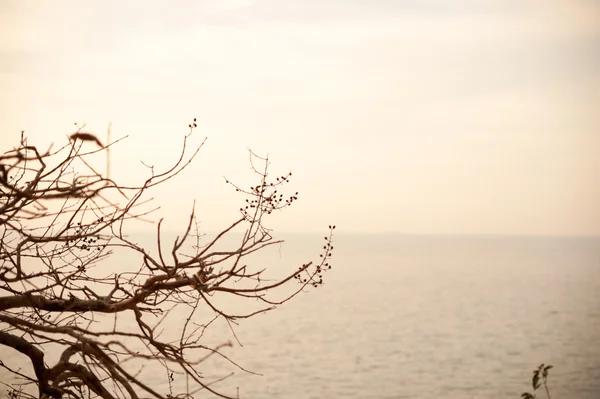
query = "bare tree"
x=60 y=218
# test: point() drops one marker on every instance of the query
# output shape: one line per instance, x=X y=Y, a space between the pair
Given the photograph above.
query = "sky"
x=416 y=117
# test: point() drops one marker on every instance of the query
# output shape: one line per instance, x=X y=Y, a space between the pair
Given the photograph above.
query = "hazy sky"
x=394 y=116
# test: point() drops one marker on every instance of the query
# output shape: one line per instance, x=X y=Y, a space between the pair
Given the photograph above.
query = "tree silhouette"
x=60 y=219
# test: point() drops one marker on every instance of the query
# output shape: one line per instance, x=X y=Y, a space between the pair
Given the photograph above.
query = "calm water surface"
x=423 y=317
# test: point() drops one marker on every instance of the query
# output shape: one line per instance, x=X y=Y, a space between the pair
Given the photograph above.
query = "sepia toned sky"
x=443 y=117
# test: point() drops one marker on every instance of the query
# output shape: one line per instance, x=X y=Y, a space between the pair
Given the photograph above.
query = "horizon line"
x=406 y=234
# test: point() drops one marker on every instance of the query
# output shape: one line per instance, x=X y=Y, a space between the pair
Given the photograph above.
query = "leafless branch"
x=60 y=218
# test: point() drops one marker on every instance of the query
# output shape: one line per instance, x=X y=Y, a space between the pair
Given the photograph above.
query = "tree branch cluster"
x=60 y=217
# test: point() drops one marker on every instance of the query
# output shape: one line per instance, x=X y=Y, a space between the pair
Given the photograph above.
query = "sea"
x=404 y=316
